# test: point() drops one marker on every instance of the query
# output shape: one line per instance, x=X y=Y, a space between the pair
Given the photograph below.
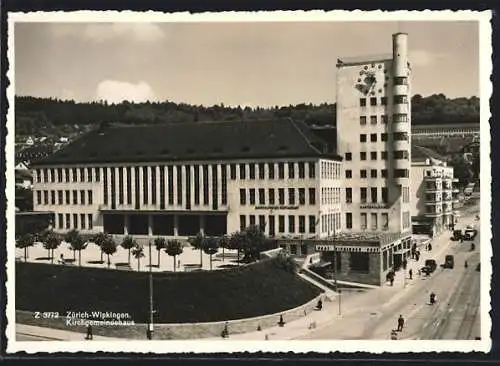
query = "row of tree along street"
x=248 y=243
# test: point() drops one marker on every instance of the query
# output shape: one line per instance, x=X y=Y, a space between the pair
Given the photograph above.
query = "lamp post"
x=149 y=333
x=339 y=291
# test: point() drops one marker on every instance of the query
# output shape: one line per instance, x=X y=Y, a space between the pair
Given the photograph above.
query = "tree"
x=25 y=241
x=108 y=246
x=128 y=243
x=223 y=243
x=98 y=240
x=236 y=243
x=210 y=247
x=138 y=253
x=197 y=243
x=51 y=242
x=253 y=242
x=70 y=237
x=173 y=249
x=78 y=244
x=160 y=244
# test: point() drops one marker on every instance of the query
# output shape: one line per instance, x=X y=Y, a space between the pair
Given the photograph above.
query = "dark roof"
x=277 y=138
x=420 y=152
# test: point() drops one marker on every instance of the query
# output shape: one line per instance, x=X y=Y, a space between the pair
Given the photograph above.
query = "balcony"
x=373 y=205
x=432 y=188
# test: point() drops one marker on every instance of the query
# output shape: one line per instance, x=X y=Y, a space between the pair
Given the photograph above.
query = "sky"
x=247 y=64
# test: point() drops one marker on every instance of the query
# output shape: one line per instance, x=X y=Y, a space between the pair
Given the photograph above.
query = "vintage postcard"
x=268 y=181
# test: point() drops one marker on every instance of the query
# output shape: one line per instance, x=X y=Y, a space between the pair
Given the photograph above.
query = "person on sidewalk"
x=401 y=323
x=89 y=336
x=410 y=272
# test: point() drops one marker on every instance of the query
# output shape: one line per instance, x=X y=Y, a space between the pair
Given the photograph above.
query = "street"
x=454 y=316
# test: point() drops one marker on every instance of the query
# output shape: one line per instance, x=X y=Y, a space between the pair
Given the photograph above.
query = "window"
x=281 y=170
x=243 y=197
x=400 y=80
x=362 y=173
x=312 y=170
x=348 y=220
x=60 y=197
x=383 y=137
x=252 y=220
x=383 y=173
x=223 y=183
x=373 y=120
x=60 y=178
x=271 y=225
x=262 y=223
x=243 y=222
x=362 y=120
x=348 y=156
x=385 y=197
x=52 y=197
x=348 y=174
x=362 y=137
x=281 y=224
x=401 y=173
x=312 y=224
x=232 y=171
x=383 y=155
x=400 y=136
x=400 y=117
x=384 y=119
x=39 y=197
x=68 y=199
x=373 y=173
x=242 y=171
x=271 y=196
x=82 y=197
x=60 y=219
x=374 y=194
x=373 y=137
x=252 y=171
x=401 y=155
x=291 y=224
x=97 y=175
x=302 y=196
x=400 y=99
x=262 y=196
x=363 y=195
x=82 y=221
x=302 y=170
x=373 y=220
x=75 y=197
x=348 y=195
x=373 y=101
x=90 y=198
x=252 y=196
x=312 y=196
x=75 y=221
x=291 y=196
x=362 y=102
x=291 y=170
x=373 y=155
x=362 y=155
x=383 y=101
x=385 y=221
x=363 y=222
x=179 y=183
x=68 y=221
x=281 y=196
x=302 y=224
x=261 y=167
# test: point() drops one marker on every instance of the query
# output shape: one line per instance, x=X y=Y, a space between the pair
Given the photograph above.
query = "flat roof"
x=359 y=60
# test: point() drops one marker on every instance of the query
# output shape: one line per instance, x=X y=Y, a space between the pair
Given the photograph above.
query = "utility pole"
x=339 y=291
x=151 y=311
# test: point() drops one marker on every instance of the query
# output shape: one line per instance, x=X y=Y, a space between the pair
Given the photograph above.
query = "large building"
x=374 y=139
x=176 y=180
x=434 y=193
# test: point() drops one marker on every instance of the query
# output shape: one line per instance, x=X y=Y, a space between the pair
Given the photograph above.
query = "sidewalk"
x=356 y=306
x=52 y=334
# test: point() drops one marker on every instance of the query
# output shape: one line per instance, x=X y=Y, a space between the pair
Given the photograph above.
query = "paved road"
x=455 y=316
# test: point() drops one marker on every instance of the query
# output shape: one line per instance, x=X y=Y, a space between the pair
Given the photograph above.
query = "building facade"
x=178 y=180
x=434 y=191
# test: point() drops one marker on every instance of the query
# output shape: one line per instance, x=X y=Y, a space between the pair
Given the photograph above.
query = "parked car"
x=457 y=235
x=426 y=270
x=431 y=263
x=470 y=234
x=449 y=261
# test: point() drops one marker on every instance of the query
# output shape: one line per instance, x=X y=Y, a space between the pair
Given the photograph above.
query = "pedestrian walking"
x=410 y=272
x=419 y=272
x=90 y=335
x=401 y=323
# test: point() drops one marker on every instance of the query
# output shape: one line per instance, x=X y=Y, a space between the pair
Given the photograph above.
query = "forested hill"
x=56 y=117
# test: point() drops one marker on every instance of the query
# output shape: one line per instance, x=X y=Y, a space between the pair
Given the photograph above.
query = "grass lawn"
x=235 y=293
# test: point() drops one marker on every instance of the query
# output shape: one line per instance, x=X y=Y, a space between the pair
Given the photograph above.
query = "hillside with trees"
x=53 y=117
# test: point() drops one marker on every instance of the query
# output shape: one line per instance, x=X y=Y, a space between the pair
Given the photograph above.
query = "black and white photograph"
x=267 y=181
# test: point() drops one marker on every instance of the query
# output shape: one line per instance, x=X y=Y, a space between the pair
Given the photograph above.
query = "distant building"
x=446 y=130
x=434 y=192
x=21 y=165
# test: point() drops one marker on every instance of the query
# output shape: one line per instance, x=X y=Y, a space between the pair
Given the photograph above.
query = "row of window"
x=330 y=170
x=74 y=221
x=252 y=171
x=384 y=195
x=363 y=173
x=374 y=222
x=293 y=193
x=294 y=225
x=397 y=99
x=384 y=137
x=396 y=117
x=64 y=197
x=330 y=223
x=363 y=155
x=330 y=195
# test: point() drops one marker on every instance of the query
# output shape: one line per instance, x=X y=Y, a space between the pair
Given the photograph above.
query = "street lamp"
x=339 y=291
x=150 y=330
